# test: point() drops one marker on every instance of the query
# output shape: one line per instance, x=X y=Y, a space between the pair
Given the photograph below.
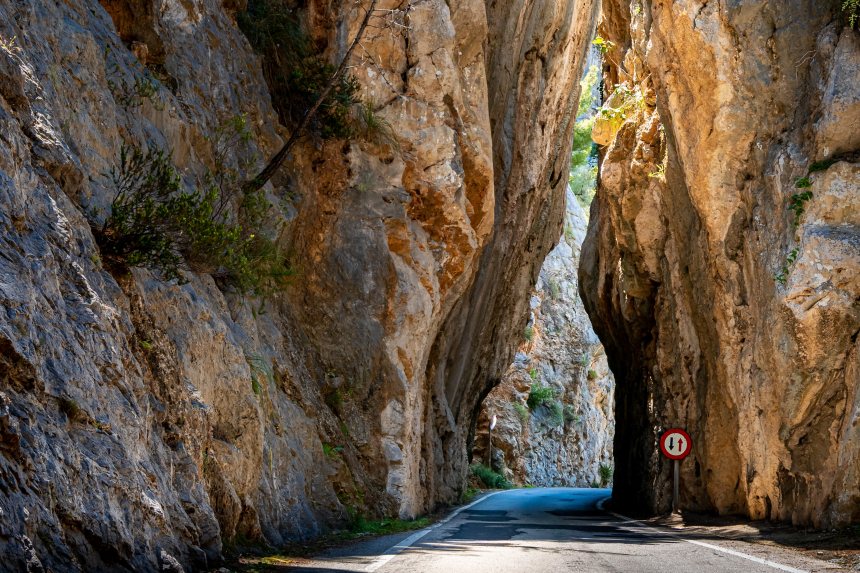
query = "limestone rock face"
x=563 y=442
x=727 y=300
x=144 y=424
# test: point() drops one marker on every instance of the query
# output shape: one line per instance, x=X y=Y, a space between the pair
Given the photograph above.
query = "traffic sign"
x=676 y=444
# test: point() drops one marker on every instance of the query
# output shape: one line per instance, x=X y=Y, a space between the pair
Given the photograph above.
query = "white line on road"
x=643 y=525
x=392 y=551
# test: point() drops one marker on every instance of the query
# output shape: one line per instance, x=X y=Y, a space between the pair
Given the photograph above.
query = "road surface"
x=553 y=530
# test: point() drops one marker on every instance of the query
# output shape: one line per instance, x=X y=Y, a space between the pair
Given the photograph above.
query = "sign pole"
x=675 y=496
x=490 y=449
x=676 y=444
x=490 y=437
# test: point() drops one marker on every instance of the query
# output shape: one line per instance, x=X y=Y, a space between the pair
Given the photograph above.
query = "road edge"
x=666 y=531
x=392 y=552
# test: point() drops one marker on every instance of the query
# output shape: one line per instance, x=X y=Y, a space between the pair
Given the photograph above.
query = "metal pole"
x=675 y=503
x=490 y=454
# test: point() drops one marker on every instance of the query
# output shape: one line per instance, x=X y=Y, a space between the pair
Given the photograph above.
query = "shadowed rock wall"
x=144 y=423
x=720 y=309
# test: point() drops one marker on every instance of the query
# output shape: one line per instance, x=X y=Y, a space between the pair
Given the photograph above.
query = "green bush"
x=555 y=414
x=522 y=412
x=489 y=477
x=529 y=333
x=540 y=395
x=851 y=9
x=294 y=70
x=592 y=375
x=570 y=415
x=605 y=472
x=154 y=224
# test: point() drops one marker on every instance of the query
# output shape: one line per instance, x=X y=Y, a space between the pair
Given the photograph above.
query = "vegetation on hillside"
x=583 y=158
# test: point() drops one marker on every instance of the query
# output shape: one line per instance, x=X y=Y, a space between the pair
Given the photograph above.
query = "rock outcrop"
x=725 y=295
x=565 y=441
x=145 y=424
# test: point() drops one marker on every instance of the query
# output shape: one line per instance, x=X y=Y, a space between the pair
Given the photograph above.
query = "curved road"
x=552 y=530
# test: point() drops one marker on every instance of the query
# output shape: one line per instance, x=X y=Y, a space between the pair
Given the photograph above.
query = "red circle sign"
x=676 y=444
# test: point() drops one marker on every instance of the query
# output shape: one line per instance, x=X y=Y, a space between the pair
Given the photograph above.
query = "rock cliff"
x=722 y=257
x=144 y=424
x=565 y=440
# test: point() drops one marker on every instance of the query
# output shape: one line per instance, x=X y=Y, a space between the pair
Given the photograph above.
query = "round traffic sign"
x=676 y=444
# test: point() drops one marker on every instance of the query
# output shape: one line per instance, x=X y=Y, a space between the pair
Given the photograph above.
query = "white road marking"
x=394 y=550
x=642 y=525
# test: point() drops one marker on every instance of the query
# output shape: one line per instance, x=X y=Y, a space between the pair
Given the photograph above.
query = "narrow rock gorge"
x=146 y=424
x=162 y=404
x=554 y=407
x=721 y=263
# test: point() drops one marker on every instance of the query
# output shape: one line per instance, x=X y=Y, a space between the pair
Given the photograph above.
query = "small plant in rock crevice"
x=540 y=395
x=522 y=412
x=570 y=415
x=782 y=276
x=529 y=333
x=332 y=451
x=555 y=414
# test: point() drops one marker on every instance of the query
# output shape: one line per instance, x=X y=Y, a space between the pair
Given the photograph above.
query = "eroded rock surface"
x=720 y=311
x=142 y=424
x=565 y=441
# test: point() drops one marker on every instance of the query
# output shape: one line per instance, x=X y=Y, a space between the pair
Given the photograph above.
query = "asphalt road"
x=553 y=530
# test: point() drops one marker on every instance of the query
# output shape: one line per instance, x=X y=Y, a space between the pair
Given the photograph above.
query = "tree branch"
x=277 y=160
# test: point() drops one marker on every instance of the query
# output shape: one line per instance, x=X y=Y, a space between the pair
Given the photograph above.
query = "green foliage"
x=797 y=205
x=333 y=398
x=261 y=370
x=586 y=85
x=605 y=472
x=469 y=494
x=554 y=289
x=782 y=276
x=821 y=165
x=803 y=183
x=332 y=451
x=540 y=395
x=533 y=374
x=595 y=484
x=851 y=9
x=373 y=128
x=555 y=414
x=131 y=95
x=570 y=415
x=568 y=233
x=627 y=100
x=156 y=225
x=361 y=526
x=583 y=163
x=529 y=333
x=602 y=45
x=659 y=173
x=296 y=73
x=489 y=477
x=71 y=409
x=592 y=375
x=522 y=412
